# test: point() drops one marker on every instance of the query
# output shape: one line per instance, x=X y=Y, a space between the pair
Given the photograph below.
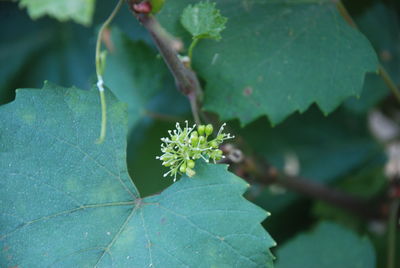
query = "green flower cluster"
x=184 y=146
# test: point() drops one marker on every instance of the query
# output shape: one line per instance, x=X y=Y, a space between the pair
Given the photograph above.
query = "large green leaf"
x=328 y=246
x=80 y=11
x=68 y=202
x=277 y=57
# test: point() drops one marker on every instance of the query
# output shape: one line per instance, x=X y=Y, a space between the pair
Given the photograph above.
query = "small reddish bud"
x=142 y=7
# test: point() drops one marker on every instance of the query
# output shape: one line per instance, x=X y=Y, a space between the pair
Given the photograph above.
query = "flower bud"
x=218 y=155
x=185 y=145
x=190 y=164
x=182 y=168
x=209 y=129
x=214 y=144
x=194 y=140
x=201 y=129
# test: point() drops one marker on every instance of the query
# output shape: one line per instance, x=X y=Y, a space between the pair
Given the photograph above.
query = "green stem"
x=392 y=230
x=99 y=72
x=191 y=47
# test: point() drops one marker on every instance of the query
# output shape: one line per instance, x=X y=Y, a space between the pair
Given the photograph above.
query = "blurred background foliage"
x=337 y=149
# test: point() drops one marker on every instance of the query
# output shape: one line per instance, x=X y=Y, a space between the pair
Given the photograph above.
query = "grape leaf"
x=203 y=20
x=80 y=11
x=68 y=202
x=329 y=245
x=278 y=57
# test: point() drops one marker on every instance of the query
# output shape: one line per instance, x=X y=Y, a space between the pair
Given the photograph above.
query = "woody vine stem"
x=185 y=79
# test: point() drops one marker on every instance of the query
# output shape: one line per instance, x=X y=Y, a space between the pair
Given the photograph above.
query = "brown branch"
x=268 y=175
x=321 y=192
x=185 y=79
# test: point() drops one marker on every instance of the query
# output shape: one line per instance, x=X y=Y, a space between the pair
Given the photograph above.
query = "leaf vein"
x=66 y=212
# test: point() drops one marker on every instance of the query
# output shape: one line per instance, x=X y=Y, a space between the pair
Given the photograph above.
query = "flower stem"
x=191 y=47
x=99 y=72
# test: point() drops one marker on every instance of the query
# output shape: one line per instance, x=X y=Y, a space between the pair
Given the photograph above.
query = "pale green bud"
x=201 y=129
x=214 y=144
x=194 y=140
x=209 y=129
x=182 y=168
x=190 y=164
